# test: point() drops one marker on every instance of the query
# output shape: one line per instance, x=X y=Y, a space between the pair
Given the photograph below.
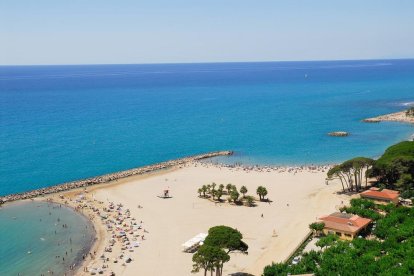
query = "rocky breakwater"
x=110 y=177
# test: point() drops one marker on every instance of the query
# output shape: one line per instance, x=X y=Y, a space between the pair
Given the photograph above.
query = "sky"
x=175 y=31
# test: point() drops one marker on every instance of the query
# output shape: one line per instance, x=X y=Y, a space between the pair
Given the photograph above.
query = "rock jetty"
x=338 y=133
x=111 y=177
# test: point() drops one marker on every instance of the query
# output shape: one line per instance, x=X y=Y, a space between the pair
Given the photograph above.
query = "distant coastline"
x=109 y=177
x=400 y=116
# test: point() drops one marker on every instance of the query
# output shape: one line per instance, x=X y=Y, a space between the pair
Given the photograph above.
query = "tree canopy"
x=261 y=192
x=351 y=173
x=226 y=238
x=220 y=241
x=395 y=168
x=209 y=258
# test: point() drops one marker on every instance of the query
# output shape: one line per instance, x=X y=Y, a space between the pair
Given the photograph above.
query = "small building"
x=346 y=226
x=384 y=196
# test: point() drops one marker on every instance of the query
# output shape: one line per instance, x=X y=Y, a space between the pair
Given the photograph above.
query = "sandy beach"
x=298 y=196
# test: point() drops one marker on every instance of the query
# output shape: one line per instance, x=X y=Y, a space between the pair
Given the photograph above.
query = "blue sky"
x=164 y=31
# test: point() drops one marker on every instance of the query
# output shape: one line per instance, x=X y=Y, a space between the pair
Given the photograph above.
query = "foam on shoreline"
x=110 y=177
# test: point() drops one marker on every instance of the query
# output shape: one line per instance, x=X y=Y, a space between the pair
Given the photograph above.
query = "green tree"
x=210 y=258
x=219 y=194
x=234 y=195
x=317 y=227
x=228 y=188
x=221 y=187
x=352 y=172
x=249 y=201
x=213 y=187
x=327 y=240
x=204 y=190
x=226 y=238
x=243 y=190
x=199 y=191
x=262 y=192
x=396 y=163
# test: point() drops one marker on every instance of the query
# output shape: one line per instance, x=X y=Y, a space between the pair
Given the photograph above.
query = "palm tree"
x=259 y=192
x=209 y=188
x=262 y=192
x=221 y=187
x=234 y=195
x=204 y=189
x=243 y=190
x=219 y=193
x=228 y=188
x=200 y=190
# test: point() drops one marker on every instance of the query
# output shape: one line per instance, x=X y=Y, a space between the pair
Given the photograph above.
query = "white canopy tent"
x=193 y=243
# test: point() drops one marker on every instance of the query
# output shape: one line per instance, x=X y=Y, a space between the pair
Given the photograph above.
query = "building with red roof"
x=384 y=196
x=346 y=226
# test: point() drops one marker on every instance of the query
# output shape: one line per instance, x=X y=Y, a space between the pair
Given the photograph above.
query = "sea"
x=34 y=241
x=63 y=123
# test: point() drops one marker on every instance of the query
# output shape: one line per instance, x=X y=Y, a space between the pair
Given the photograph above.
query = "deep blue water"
x=61 y=123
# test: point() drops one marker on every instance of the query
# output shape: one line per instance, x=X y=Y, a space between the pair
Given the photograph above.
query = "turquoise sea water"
x=36 y=227
x=61 y=123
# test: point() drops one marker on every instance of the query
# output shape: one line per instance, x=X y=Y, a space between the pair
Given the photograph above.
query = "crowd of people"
x=122 y=233
x=262 y=168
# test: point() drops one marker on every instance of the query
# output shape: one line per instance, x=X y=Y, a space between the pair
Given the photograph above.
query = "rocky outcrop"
x=338 y=133
x=371 y=120
x=401 y=117
x=110 y=177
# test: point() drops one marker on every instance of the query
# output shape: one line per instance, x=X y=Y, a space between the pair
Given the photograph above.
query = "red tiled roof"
x=345 y=222
x=384 y=194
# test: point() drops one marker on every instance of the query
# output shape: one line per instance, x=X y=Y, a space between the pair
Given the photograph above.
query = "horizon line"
x=205 y=62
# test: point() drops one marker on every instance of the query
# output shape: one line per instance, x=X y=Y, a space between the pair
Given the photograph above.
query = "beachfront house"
x=384 y=196
x=346 y=226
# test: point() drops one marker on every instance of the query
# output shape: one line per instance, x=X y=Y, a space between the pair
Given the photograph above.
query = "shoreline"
x=171 y=222
x=106 y=178
x=101 y=235
x=92 y=244
x=400 y=117
x=93 y=205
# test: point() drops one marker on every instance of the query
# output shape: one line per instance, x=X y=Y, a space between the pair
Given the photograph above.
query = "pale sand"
x=171 y=222
x=393 y=117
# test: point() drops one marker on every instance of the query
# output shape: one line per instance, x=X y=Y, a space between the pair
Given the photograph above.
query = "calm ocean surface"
x=61 y=123
x=31 y=236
